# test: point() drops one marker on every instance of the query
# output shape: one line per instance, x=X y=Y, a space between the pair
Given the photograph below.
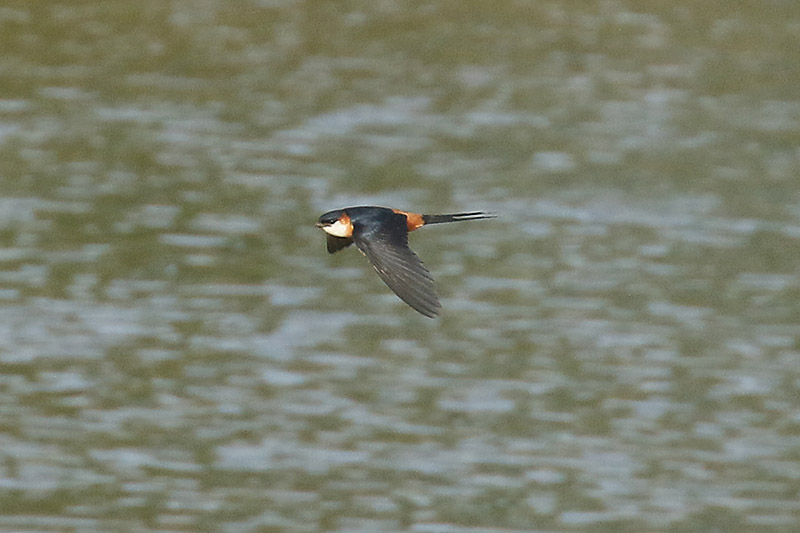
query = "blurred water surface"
x=618 y=351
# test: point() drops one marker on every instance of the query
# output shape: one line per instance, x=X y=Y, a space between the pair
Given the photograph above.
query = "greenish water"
x=618 y=351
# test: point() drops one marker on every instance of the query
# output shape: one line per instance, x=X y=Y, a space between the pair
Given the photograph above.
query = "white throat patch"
x=337 y=229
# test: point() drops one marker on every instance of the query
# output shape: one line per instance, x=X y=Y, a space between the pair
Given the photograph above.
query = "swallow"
x=381 y=234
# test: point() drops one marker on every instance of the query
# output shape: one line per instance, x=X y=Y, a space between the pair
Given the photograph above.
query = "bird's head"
x=336 y=223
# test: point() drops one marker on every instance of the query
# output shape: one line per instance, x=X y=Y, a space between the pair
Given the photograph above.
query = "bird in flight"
x=381 y=234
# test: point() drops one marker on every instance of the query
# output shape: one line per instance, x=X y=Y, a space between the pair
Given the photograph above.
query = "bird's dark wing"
x=386 y=246
x=337 y=243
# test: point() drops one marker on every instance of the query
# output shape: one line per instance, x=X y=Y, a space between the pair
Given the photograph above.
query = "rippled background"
x=618 y=351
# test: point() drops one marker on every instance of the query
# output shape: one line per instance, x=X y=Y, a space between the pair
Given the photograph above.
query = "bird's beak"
x=319 y=225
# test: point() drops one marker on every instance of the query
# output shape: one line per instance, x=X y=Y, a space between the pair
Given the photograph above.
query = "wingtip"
x=429 y=312
x=425 y=303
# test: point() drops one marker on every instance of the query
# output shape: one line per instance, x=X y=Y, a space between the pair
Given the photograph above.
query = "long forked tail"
x=456 y=217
